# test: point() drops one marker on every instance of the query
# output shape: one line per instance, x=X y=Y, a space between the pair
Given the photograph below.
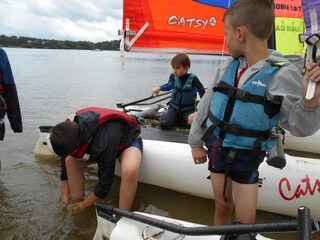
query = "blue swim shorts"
x=244 y=168
x=138 y=144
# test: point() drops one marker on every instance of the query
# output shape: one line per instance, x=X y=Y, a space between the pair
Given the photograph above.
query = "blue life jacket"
x=237 y=115
x=183 y=97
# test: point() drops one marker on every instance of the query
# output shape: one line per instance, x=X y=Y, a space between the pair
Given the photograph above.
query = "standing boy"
x=98 y=135
x=184 y=92
x=254 y=89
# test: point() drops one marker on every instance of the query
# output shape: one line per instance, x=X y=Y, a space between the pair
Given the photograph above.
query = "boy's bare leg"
x=130 y=162
x=223 y=210
x=76 y=179
x=245 y=198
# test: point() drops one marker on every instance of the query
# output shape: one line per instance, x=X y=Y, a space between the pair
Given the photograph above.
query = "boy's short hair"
x=64 y=138
x=257 y=15
x=180 y=59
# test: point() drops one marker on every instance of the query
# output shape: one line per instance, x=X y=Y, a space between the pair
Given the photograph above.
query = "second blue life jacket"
x=183 y=97
x=237 y=115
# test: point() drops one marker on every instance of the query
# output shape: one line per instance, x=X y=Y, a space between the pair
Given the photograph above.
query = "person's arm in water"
x=78 y=206
x=166 y=87
x=65 y=191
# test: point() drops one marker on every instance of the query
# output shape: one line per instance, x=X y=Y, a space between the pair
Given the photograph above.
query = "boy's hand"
x=199 y=155
x=78 y=206
x=191 y=117
x=312 y=74
x=65 y=199
x=81 y=205
x=155 y=91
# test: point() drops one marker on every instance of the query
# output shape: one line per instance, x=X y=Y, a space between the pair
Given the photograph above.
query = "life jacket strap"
x=230 y=159
x=210 y=129
x=234 y=129
x=182 y=90
x=184 y=105
x=237 y=93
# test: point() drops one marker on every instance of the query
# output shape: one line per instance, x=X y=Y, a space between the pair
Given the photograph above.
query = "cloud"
x=76 y=20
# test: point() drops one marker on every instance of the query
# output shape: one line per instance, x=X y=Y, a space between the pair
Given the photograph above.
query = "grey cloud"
x=92 y=20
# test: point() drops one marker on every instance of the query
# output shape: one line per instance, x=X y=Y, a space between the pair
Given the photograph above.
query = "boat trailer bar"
x=304 y=225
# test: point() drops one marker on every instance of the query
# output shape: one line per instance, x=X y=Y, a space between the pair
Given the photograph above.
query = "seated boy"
x=184 y=87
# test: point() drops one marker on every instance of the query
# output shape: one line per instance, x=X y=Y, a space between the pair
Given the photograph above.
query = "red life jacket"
x=106 y=115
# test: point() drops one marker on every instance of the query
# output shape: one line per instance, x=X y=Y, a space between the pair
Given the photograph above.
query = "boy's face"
x=231 y=38
x=179 y=70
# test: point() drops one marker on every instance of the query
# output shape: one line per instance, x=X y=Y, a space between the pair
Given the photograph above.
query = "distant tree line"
x=27 y=42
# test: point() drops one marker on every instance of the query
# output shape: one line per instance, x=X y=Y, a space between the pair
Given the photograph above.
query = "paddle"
x=123 y=105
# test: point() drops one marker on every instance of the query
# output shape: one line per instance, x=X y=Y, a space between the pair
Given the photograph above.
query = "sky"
x=74 y=20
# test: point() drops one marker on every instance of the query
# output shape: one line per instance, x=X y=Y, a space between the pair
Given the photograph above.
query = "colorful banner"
x=289 y=25
x=195 y=26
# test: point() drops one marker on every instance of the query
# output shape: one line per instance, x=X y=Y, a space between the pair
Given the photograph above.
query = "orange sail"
x=175 y=25
x=191 y=26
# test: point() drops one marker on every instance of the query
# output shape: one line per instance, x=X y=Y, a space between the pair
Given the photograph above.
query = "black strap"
x=234 y=129
x=210 y=130
x=186 y=105
x=182 y=90
x=238 y=93
x=230 y=159
x=314 y=54
x=256 y=151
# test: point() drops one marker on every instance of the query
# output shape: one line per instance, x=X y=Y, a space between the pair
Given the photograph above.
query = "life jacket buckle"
x=223 y=126
x=313 y=39
x=241 y=95
x=233 y=92
x=231 y=155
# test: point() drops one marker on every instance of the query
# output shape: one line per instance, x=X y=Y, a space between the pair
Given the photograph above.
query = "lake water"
x=51 y=85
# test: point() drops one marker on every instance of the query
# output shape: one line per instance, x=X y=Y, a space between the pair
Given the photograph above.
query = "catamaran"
x=195 y=26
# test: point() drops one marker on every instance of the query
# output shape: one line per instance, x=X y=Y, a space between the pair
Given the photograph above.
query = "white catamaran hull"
x=309 y=144
x=170 y=165
x=130 y=229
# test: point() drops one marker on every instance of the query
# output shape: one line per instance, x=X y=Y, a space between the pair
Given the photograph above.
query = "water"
x=53 y=84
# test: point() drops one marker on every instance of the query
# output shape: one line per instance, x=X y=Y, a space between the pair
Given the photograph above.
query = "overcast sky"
x=75 y=20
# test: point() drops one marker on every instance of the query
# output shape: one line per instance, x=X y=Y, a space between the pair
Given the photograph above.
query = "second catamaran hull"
x=170 y=165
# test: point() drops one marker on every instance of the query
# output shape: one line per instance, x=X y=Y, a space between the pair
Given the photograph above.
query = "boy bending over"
x=98 y=135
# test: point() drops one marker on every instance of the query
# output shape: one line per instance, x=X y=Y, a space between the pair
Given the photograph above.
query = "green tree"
x=27 y=42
